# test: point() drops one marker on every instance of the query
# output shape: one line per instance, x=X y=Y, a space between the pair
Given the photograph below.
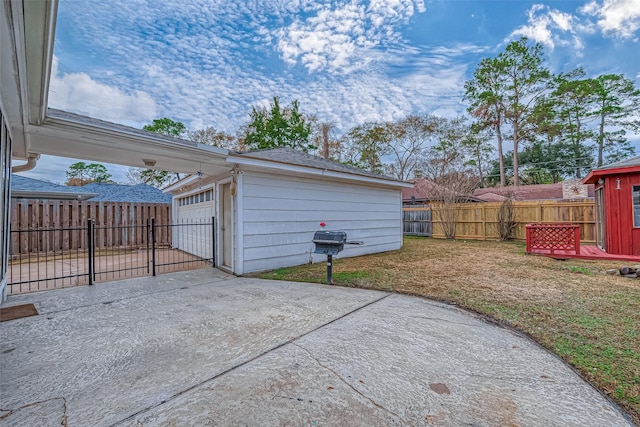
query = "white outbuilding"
x=268 y=205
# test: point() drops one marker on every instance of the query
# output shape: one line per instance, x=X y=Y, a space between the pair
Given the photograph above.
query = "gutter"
x=32 y=160
x=25 y=194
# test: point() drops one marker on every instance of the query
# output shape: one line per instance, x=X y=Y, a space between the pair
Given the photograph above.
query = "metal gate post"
x=146 y=243
x=153 y=246
x=213 y=241
x=90 y=250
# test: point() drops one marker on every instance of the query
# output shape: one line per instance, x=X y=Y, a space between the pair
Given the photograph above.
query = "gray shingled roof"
x=140 y=193
x=90 y=121
x=23 y=186
x=293 y=157
x=626 y=163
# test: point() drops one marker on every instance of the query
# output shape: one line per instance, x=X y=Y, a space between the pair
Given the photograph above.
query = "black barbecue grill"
x=330 y=243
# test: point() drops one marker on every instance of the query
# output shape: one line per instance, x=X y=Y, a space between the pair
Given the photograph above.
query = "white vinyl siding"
x=281 y=214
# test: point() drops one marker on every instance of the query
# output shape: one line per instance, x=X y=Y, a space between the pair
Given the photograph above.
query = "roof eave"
x=26 y=194
x=288 y=167
x=74 y=138
x=593 y=176
x=189 y=179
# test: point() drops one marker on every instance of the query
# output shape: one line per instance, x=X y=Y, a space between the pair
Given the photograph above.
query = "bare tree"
x=211 y=136
x=506 y=218
x=134 y=176
x=366 y=145
x=322 y=135
x=448 y=192
x=407 y=142
x=453 y=183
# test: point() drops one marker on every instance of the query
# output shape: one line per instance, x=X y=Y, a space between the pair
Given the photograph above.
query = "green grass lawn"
x=573 y=308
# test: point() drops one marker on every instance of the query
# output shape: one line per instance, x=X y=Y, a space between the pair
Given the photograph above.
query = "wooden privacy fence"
x=416 y=222
x=117 y=224
x=478 y=221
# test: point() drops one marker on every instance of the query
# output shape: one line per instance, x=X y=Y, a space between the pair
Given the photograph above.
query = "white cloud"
x=79 y=93
x=339 y=39
x=199 y=70
x=617 y=17
x=552 y=28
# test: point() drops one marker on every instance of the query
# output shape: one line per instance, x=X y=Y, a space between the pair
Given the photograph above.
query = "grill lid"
x=330 y=237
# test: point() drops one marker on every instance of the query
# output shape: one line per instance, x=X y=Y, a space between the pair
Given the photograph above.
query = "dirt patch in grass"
x=573 y=308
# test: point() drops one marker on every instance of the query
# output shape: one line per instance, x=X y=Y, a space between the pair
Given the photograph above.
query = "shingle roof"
x=491 y=197
x=633 y=161
x=23 y=186
x=526 y=192
x=425 y=190
x=298 y=158
x=139 y=193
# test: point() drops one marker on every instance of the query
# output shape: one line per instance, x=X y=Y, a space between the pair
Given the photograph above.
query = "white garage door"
x=193 y=231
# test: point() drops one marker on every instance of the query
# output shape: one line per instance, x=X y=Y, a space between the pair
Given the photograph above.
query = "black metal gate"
x=62 y=257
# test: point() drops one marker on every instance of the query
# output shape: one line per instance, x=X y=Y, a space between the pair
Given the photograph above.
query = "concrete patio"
x=206 y=348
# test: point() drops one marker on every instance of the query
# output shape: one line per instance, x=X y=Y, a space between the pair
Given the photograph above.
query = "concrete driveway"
x=206 y=348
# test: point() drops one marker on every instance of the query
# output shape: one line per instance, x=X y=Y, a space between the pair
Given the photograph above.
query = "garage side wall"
x=281 y=214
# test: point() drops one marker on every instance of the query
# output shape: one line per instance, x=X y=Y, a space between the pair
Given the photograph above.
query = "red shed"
x=617 y=206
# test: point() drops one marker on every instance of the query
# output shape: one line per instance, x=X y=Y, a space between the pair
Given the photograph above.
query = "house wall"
x=621 y=236
x=5 y=189
x=280 y=213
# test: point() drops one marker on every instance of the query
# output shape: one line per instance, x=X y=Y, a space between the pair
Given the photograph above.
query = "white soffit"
x=91 y=139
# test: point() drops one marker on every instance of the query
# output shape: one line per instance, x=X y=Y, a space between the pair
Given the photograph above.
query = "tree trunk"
x=601 y=138
x=500 y=158
x=577 y=149
x=480 y=169
x=325 y=140
x=516 y=178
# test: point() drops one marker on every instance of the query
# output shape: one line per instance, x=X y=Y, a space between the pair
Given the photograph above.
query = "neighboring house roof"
x=139 y=193
x=290 y=156
x=30 y=188
x=491 y=197
x=525 y=192
x=425 y=190
x=625 y=166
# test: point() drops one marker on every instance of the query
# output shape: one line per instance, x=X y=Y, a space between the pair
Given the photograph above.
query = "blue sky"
x=206 y=62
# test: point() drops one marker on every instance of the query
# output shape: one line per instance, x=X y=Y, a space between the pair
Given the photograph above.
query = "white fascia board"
x=97 y=130
x=318 y=172
x=181 y=183
x=23 y=194
x=12 y=84
x=213 y=149
x=189 y=185
x=40 y=25
x=20 y=55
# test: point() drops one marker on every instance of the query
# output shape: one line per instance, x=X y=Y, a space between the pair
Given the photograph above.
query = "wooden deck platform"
x=586 y=252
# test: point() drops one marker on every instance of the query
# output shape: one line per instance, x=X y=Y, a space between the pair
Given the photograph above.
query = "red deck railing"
x=549 y=238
